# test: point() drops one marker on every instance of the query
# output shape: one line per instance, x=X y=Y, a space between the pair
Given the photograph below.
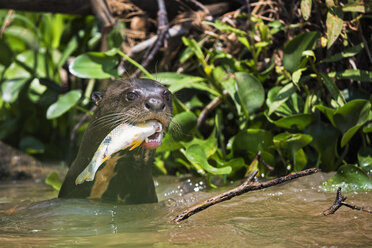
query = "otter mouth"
x=154 y=140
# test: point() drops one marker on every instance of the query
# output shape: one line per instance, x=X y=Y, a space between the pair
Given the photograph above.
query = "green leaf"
x=357 y=75
x=209 y=145
x=94 y=65
x=115 y=38
x=333 y=89
x=178 y=81
x=357 y=6
x=182 y=124
x=327 y=111
x=6 y=55
x=277 y=96
x=348 y=52
x=54 y=181
x=299 y=121
x=352 y=113
x=250 y=91
x=293 y=49
x=35 y=90
x=334 y=24
x=251 y=141
x=325 y=138
x=224 y=27
x=10 y=89
x=31 y=145
x=306 y=8
x=17 y=35
x=365 y=159
x=63 y=104
x=196 y=155
x=349 y=178
x=291 y=144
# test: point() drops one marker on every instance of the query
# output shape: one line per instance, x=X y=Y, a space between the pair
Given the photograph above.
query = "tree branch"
x=340 y=201
x=246 y=186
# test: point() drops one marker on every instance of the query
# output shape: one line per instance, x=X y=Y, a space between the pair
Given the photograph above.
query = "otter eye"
x=131 y=96
x=167 y=95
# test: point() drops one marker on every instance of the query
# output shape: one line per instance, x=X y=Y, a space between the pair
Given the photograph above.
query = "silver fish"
x=120 y=138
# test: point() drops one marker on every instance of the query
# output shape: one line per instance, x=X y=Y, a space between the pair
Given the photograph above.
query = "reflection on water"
x=289 y=215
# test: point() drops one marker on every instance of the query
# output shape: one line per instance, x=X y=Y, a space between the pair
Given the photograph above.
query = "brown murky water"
x=289 y=215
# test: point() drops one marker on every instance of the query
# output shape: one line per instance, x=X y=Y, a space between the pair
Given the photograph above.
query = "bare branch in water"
x=340 y=201
x=246 y=186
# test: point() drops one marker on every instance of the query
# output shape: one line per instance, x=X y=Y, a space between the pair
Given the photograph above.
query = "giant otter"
x=127 y=176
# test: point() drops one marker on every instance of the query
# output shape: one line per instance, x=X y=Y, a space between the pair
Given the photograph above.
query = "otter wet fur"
x=125 y=176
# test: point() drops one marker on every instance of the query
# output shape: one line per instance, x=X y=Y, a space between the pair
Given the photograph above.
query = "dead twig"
x=161 y=33
x=340 y=201
x=209 y=108
x=248 y=185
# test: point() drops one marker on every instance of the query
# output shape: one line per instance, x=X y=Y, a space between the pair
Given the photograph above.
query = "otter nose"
x=154 y=104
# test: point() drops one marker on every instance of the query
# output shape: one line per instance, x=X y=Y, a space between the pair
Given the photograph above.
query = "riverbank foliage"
x=293 y=85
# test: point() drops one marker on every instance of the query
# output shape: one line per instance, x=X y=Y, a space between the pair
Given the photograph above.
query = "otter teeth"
x=147 y=139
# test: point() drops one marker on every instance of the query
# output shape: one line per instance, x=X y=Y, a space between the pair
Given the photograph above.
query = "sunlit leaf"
x=10 y=89
x=334 y=24
x=293 y=49
x=347 y=52
x=54 y=181
x=250 y=91
x=277 y=96
x=306 y=8
x=63 y=104
x=365 y=159
x=178 y=81
x=6 y=54
x=349 y=178
x=196 y=155
x=299 y=121
x=94 y=65
x=357 y=75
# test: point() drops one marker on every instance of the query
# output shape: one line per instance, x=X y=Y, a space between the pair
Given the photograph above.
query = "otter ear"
x=96 y=97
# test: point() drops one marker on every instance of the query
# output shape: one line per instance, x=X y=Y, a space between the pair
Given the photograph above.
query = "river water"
x=288 y=215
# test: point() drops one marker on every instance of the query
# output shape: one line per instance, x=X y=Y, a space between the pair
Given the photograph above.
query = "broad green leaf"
x=209 y=145
x=301 y=160
x=251 y=141
x=333 y=89
x=31 y=145
x=54 y=181
x=6 y=54
x=357 y=75
x=299 y=121
x=352 y=113
x=334 y=24
x=306 y=8
x=250 y=91
x=10 y=89
x=16 y=34
x=293 y=49
x=115 y=38
x=348 y=52
x=365 y=159
x=181 y=125
x=178 y=81
x=196 y=155
x=349 y=178
x=291 y=144
x=195 y=48
x=63 y=104
x=328 y=112
x=94 y=65
x=35 y=90
x=325 y=138
x=230 y=86
x=277 y=96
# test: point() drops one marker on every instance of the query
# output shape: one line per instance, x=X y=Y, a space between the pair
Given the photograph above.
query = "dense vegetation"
x=297 y=90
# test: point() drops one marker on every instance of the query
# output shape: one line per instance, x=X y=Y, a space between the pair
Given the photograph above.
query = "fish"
x=121 y=137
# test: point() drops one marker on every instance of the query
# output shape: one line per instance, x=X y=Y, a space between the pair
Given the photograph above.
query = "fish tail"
x=84 y=176
x=135 y=143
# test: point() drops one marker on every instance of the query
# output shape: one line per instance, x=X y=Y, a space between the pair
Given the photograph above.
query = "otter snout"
x=154 y=104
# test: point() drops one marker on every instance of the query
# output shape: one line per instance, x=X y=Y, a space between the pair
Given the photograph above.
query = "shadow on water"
x=288 y=215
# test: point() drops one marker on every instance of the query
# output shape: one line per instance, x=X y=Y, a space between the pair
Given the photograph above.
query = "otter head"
x=134 y=101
